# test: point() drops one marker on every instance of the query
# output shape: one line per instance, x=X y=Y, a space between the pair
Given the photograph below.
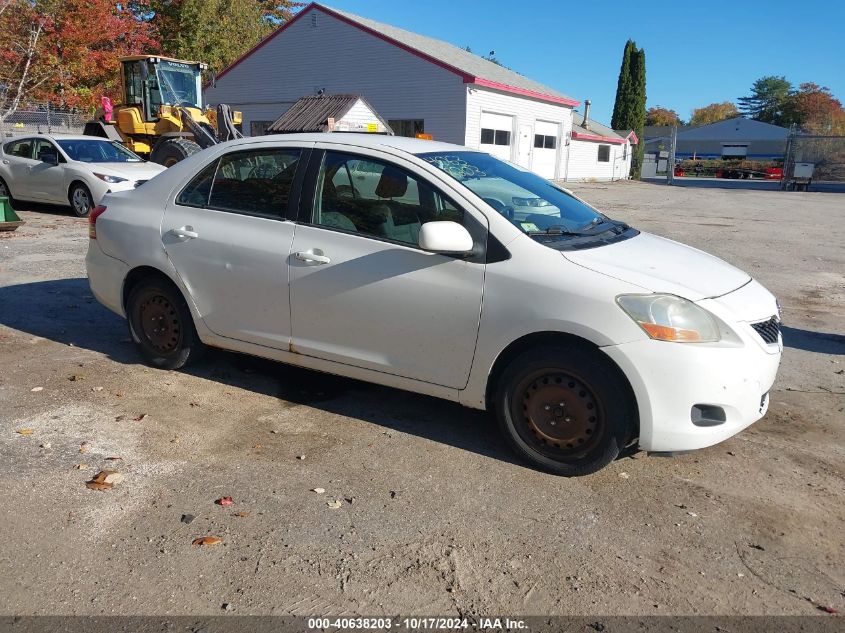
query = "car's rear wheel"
x=161 y=324
x=564 y=409
x=80 y=199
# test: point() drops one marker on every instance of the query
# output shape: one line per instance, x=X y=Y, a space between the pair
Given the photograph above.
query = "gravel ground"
x=434 y=516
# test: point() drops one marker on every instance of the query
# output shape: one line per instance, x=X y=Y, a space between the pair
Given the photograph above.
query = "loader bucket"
x=9 y=220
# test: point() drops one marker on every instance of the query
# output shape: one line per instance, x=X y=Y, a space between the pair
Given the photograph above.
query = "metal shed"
x=330 y=113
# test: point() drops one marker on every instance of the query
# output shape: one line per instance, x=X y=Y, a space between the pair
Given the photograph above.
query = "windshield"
x=530 y=202
x=94 y=151
x=176 y=84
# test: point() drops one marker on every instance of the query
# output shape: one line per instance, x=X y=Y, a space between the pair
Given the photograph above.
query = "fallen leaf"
x=207 y=540
x=37 y=389
x=93 y=485
x=140 y=418
x=25 y=431
x=104 y=480
x=828 y=609
x=81 y=466
x=334 y=505
x=242 y=513
x=75 y=377
x=319 y=491
x=112 y=459
x=176 y=440
x=83 y=448
x=118 y=418
x=225 y=501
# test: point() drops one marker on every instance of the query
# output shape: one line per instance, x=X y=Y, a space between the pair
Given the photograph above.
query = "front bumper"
x=669 y=379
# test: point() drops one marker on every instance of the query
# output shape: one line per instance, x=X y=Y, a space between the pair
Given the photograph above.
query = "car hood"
x=660 y=265
x=130 y=171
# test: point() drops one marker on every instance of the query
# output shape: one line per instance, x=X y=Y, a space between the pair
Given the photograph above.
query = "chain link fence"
x=813 y=159
x=40 y=118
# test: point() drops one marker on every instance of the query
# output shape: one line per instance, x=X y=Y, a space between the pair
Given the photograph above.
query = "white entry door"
x=526 y=141
x=546 y=136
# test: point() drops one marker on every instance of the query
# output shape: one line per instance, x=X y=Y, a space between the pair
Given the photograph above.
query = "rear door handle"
x=185 y=231
x=312 y=258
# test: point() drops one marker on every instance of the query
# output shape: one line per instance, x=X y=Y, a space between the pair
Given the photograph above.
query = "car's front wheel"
x=80 y=199
x=565 y=409
x=5 y=192
x=161 y=325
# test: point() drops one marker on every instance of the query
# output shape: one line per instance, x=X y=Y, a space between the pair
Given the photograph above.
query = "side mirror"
x=51 y=158
x=445 y=237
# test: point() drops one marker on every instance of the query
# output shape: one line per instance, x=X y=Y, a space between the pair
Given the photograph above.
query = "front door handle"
x=185 y=231
x=312 y=258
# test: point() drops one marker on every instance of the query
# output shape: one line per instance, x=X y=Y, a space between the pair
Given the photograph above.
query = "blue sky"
x=694 y=56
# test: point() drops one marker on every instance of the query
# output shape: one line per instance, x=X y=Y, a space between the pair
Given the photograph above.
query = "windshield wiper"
x=559 y=229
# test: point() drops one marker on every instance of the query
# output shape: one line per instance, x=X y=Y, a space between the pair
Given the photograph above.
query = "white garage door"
x=546 y=137
x=496 y=134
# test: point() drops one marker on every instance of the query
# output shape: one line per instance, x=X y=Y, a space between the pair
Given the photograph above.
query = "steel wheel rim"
x=159 y=323
x=558 y=414
x=81 y=201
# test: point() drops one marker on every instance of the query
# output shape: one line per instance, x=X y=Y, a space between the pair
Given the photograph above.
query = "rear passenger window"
x=196 y=193
x=256 y=182
x=377 y=199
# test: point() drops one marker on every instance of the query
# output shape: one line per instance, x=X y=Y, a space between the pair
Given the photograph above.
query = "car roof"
x=61 y=137
x=375 y=141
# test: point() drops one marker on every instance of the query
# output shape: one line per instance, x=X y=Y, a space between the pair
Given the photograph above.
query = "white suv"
x=420 y=265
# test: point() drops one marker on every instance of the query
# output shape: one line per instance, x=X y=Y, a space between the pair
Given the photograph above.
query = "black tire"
x=5 y=192
x=172 y=150
x=81 y=201
x=161 y=324
x=565 y=409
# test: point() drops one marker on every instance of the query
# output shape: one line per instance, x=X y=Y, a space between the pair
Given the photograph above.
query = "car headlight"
x=111 y=179
x=671 y=318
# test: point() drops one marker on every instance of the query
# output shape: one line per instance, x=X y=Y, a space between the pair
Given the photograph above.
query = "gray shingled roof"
x=311 y=114
x=594 y=127
x=451 y=55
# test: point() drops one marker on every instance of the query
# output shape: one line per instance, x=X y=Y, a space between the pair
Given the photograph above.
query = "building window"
x=495 y=137
x=625 y=152
x=604 y=153
x=258 y=128
x=545 y=141
x=407 y=127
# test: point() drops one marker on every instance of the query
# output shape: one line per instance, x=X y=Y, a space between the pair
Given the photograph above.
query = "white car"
x=375 y=257
x=75 y=170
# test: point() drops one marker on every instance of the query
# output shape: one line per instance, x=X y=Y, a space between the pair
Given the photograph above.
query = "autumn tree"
x=658 y=115
x=767 y=101
x=66 y=51
x=814 y=109
x=713 y=113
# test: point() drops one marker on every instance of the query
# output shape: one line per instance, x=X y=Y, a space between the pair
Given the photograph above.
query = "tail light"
x=95 y=213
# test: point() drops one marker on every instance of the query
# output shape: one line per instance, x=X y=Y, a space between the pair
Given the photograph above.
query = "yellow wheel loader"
x=160 y=115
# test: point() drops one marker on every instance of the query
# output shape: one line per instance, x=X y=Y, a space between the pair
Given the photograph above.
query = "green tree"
x=768 y=100
x=713 y=113
x=629 y=107
x=216 y=32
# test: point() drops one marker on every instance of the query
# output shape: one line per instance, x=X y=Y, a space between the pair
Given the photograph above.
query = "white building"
x=418 y=84
x=596 y=152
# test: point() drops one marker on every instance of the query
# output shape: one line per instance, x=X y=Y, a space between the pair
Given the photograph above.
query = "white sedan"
x=75 y=170
x=403 y=262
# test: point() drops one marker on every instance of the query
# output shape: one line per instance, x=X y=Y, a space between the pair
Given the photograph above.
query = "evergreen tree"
x=767 y=101
x=629 y=108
